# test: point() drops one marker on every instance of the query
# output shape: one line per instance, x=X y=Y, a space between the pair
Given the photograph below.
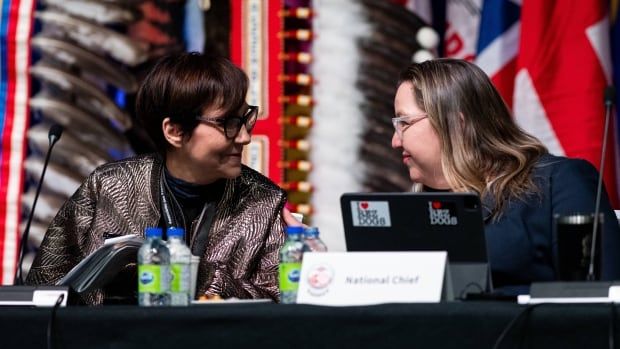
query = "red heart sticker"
x=436 y=205
x=364 y=205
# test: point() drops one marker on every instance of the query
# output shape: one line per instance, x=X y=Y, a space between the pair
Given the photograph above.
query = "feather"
x=47 y=205
x=93 y=37
x=57 y=178
x=69 y=150
x=98 y=12
x=85 y=60
x=36 y=235
x=386 y=13
x=384 y=53
x=381 y=55
x=98 y=100
x=337 y=120
x=93 y=131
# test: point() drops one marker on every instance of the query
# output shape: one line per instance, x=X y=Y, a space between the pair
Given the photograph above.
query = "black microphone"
x=610 y=93
x=53 y=137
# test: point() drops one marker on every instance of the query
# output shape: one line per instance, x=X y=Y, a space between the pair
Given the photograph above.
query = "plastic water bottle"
x=312 y=242
x=180 y=261
x=290 y=265
x=153 y=270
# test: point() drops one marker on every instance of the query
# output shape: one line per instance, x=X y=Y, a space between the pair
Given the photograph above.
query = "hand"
x=290 y=220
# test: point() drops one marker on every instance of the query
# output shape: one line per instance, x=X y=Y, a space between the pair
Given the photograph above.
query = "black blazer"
x=520 y=243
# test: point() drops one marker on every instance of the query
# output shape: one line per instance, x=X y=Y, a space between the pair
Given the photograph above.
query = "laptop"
x=449 y=222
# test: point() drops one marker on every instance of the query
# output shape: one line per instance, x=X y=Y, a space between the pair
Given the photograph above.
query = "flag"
x=498 y=44
x=615 y=56
x=562 y=70
x=15 y=32
x=462 y=27
x=550 y=62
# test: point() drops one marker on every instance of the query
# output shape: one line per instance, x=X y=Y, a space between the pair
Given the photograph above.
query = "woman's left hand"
x=289 y=219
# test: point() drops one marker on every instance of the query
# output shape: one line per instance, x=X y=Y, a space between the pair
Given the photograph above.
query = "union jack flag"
x=551 y=62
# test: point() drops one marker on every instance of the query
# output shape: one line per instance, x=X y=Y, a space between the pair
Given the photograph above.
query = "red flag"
x=563 y=67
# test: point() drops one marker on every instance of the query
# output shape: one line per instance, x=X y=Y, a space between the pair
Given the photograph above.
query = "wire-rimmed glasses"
x=402 y=123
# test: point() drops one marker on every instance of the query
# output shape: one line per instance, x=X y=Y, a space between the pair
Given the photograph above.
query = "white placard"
x=613 y=297
x=47 y=298
x=364 y=278
x=614 y=293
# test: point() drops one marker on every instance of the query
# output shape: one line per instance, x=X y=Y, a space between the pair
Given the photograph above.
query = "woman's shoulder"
x=138 y=165
x=560 y=165
x=257 y=181
x=565 y=172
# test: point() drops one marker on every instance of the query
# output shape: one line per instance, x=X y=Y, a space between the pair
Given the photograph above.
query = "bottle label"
x=289 y=276
x=153 y=278
x=180 y=277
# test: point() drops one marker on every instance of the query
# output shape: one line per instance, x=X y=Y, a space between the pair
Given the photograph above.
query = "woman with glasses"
x=193 y=108
x=455 y=133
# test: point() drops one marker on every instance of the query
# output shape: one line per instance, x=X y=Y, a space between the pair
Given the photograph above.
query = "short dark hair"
x=181 y=86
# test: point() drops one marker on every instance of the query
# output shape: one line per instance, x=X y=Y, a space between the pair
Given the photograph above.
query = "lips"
x=235 y=153
x=233 y=159
x=406 y=157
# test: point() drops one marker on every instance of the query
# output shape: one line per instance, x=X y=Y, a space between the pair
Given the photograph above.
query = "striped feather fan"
x=359 y=49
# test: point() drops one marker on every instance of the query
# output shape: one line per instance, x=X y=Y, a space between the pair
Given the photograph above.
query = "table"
x=444 y=325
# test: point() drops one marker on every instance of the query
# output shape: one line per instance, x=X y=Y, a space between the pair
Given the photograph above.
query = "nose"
x=243 y=137
x=396 y=141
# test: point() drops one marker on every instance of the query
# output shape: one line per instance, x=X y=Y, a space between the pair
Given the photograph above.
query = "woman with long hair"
x=456 y=134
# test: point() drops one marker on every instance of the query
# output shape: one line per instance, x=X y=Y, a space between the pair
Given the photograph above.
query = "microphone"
x=53 y=137
x=610 y=93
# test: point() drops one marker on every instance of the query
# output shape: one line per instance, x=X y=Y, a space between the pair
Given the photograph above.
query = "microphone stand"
x=588 y=291
x=54 y=136
x=34 y=295
x=609 y=101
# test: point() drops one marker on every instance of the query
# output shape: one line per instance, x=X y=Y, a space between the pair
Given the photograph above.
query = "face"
x=418 y=142
x=208 y=155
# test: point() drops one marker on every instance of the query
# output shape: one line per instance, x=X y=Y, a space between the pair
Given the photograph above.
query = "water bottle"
x=312 y=242
x=290 y=265
x=180 y=261
x=153 y=270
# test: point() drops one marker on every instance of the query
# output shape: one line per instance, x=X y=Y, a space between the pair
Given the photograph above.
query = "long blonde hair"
x=483 y=149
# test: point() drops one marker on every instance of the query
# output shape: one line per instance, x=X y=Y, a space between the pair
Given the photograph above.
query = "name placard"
x=364 y=278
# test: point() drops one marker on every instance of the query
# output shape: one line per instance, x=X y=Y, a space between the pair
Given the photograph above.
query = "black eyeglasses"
x=232 y=124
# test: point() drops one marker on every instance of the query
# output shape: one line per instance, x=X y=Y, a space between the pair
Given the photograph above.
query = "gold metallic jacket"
x=241 y=257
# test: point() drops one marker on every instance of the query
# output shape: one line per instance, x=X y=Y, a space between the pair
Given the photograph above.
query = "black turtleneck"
x=434 y=190
x=193 y=197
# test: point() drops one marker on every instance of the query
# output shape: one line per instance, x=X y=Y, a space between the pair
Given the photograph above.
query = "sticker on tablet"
x=370 y=214
x=442 y=213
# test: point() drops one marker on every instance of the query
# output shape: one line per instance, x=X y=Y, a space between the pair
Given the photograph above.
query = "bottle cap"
x=292 y=230
x=312 y=231
x=153 y=232
x=176 y=232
